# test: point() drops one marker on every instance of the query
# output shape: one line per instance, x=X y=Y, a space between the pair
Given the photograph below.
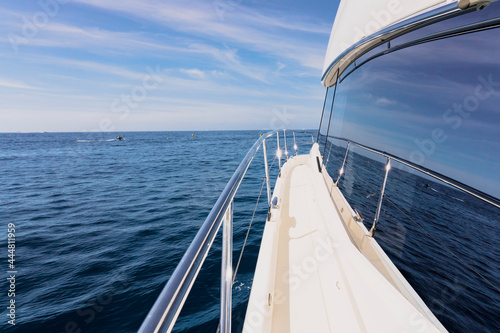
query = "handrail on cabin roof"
x=355 y=51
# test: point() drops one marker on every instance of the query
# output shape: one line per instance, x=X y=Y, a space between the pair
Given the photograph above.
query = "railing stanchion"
x=382 y=190
x=278 y=152
x=294 y=143
x=226 y=271
x=331 y=111
x=329 y=152
x=267 y=174
x=341 y=171
x=286 y=148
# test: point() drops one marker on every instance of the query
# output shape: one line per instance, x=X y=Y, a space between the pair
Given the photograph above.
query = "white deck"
x=311 y=277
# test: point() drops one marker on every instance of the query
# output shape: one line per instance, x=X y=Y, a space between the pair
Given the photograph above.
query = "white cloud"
x=272 y=35
x=194 y=73
x=84 y=64
x=14 y=84
x=385 y=101
x=102 y=41
x=95 y=67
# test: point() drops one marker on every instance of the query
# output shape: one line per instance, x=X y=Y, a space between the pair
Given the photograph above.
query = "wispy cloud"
x=384 y=101
x=194 y=73
x=95 y=39
x=102 y=41
x=256 y=31
x=92 y=52
x=14 y=84
x=95 y=67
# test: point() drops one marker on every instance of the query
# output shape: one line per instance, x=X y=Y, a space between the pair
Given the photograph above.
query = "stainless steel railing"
x=368 y=43
x=447 y=180
x=164 y=313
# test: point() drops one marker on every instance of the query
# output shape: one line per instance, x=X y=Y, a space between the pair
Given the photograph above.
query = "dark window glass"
x=436 y=104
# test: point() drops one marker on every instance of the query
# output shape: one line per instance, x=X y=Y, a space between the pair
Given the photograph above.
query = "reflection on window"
x=436 y=105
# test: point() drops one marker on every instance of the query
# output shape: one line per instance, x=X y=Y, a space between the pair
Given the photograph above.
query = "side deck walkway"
x=311 y=277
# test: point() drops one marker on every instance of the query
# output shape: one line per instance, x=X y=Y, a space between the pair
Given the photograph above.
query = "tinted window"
x=436 y=104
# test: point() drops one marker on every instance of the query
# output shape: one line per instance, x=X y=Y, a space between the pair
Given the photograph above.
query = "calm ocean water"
x=101 y=225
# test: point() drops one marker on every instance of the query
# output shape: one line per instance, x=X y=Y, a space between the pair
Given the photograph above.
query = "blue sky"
x=85 y=65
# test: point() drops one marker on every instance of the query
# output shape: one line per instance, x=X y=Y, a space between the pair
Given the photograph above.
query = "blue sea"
x=101 y=224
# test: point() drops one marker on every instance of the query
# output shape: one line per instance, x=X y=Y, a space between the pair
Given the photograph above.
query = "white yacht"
x=320 y=267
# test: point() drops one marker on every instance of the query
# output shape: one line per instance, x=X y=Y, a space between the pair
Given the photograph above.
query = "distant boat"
x=119 y=138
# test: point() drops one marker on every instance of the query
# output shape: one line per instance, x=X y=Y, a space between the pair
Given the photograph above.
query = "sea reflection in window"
x=435 y=104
